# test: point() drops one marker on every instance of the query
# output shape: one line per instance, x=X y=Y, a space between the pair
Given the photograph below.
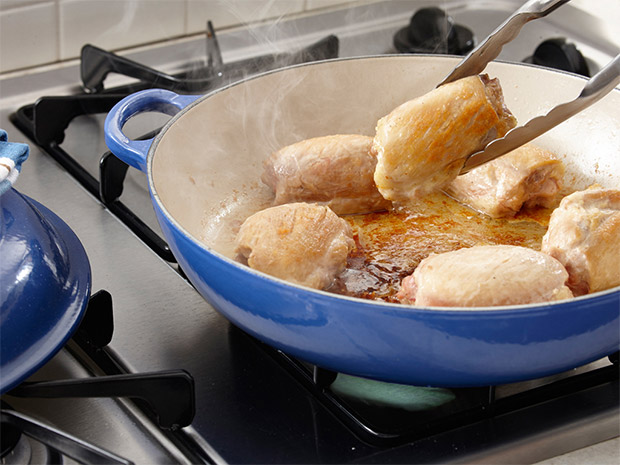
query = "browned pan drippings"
x=391 y=244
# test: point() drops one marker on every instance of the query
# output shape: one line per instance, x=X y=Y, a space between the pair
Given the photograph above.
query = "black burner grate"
x=168 y=397
x=394 y=423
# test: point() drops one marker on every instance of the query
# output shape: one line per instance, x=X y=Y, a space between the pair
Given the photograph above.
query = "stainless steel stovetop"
x=248 y=408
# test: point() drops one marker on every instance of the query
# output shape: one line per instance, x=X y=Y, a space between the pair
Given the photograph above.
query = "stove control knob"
x=560 y=54
x=431 y=30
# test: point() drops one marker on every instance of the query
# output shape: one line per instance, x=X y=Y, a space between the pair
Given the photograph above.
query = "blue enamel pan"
x=204 y=170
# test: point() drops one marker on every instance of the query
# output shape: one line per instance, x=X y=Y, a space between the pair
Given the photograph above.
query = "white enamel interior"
x=207 y=164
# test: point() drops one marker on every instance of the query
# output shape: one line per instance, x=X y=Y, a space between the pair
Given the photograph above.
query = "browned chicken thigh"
x=584 y=234
x=422 y=144
x=526 y=177
x=302 y=243
x=483 y=276
x=336 y=171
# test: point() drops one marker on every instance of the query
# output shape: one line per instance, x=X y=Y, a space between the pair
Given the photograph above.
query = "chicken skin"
x=584 y=235
x=422 y=144
x=336 y=171
x=487 y=275
x=306 y=244
x=526 y=177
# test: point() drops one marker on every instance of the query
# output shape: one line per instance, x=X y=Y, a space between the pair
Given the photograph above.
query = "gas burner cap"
x=560 y=54
x=431 y=30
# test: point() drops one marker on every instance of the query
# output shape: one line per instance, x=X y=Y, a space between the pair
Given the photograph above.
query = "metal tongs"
x=474 y=63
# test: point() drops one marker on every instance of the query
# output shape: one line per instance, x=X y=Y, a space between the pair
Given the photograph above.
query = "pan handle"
x=134 y=152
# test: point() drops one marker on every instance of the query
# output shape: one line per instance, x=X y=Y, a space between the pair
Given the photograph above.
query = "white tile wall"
x=36 y=32
x=28 y=34
x=234 y=12
x=114 y=24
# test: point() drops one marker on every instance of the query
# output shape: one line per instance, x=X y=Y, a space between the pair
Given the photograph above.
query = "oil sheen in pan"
x=391 y=244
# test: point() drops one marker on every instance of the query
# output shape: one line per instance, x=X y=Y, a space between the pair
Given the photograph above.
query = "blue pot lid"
x=44 y=278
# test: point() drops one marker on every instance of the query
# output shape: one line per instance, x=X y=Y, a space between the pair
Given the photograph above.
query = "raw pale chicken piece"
x=422 y=144
x=336 y=171
x=584 y=234
x=528 y=176
x=486 y=275
x=302 y=243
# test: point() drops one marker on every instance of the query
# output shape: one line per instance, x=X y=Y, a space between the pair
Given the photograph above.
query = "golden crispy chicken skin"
x=302 y=243
x=526 y=177
x=336 y=171
x=584 y=234
x=422 y=144
x=487 y=275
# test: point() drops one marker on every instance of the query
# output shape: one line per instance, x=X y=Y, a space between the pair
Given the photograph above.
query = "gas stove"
x=183 y=385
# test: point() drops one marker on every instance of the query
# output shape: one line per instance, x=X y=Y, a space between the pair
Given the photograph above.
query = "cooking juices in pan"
x=390 y=244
